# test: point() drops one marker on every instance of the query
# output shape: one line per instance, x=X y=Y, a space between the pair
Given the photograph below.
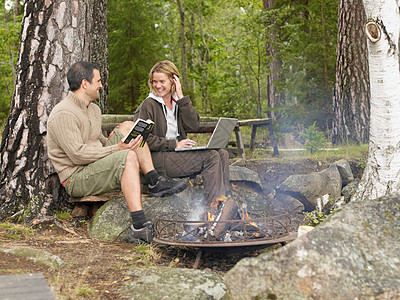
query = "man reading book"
x=88 y=163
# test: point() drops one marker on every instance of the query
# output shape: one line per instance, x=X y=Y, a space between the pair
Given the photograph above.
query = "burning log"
x=226 y=213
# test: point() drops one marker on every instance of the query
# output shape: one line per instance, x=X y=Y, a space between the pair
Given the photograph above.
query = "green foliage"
x=63 y=215
x=226 y=58
x=314 y=218
x=134 y=47
x=14 y=231
x=315 y=139
x=9 y=30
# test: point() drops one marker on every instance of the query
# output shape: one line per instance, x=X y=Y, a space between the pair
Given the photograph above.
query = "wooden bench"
x=207 y=125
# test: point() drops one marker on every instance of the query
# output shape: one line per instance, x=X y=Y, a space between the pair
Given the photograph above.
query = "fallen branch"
x=56 y=222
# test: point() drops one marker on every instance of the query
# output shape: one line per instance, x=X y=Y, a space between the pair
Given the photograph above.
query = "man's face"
x=93 y=88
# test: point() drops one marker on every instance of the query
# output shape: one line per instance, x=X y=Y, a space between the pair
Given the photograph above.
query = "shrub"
x=314 y=138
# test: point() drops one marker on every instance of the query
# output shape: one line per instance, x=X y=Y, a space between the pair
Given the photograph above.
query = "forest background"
x=226 y=51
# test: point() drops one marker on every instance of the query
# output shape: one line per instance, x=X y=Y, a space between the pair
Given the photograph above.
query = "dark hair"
x=79 y=71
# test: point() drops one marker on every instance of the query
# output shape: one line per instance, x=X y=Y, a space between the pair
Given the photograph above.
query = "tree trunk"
x=381 y=175
x=275 y=66
x=351 y=99
x=185 y=78
x=99 y=47
x=54 y=35
x=16 y=9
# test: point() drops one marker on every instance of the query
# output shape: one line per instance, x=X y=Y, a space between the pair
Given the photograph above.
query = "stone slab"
x=25 y=286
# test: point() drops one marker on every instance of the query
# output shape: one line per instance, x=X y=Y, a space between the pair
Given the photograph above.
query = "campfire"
x=226 y=224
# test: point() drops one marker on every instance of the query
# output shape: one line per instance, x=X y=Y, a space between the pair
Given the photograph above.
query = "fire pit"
x=228 y=226
x=174 y=229
x=232 y=228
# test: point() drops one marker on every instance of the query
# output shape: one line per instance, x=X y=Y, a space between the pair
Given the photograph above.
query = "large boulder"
x=353 y=255
x=173 y=283
x=111 y=221
x=309 y=188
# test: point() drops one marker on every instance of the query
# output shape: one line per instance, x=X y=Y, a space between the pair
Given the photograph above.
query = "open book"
x=141 y=127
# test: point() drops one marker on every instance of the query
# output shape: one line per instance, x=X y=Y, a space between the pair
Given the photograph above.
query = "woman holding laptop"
x=173 y=114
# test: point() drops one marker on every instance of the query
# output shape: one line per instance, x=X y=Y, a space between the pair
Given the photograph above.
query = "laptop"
x=219 y=137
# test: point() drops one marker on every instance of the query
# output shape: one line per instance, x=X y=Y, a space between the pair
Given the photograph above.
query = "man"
x=89 y=164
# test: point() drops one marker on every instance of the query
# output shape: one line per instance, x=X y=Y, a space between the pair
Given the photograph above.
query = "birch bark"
x=381 y=175
x=54 y=34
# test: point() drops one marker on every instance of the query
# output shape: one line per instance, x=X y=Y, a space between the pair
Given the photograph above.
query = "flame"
x=247 y=217
x=219 y=200
x=234 y=186
x=190 y=183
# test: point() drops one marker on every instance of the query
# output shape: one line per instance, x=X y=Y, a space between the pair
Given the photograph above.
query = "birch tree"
x=54 y=35
x=382 y=172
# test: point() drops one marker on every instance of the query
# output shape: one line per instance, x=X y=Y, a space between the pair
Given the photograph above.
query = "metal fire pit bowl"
x=174 y=229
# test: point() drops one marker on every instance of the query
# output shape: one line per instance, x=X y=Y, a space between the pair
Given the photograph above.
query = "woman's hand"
x=133 y=144
x=178 y=87
x=185 y=143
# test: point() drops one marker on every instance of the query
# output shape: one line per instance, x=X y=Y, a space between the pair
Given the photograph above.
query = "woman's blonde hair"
x=167 y=68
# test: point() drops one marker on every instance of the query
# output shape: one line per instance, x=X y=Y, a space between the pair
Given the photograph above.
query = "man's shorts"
x=101 y=176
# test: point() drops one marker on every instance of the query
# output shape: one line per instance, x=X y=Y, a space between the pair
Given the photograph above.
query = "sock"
x=151 y=177
x=138 y=219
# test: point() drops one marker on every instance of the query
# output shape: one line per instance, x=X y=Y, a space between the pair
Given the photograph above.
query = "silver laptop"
x=219 y=137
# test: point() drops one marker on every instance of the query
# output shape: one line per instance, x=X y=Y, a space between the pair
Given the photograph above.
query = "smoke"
x=198 y=210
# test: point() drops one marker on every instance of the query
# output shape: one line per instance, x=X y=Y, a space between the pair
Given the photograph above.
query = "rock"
x=250 y=196
x=242 y=174
x=345 y=171
x=188 y=200
x=349 y=190
x=38 y=256
x=353 y=255
x=111 y=221
x=307 y=188
x=173 y=283
x=285 y=203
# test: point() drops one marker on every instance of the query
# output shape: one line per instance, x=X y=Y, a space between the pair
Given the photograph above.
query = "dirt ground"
x=97 y=269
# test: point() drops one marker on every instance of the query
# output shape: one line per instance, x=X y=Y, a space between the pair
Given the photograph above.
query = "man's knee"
x=124 y=127
x=132 y=160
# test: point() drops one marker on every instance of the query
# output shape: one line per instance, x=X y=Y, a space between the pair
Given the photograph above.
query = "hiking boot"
x=166 y=186
x=141 y=235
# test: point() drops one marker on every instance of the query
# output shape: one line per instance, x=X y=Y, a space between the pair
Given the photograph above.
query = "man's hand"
x=178 y=87
x=185 y=143
x=133 y=144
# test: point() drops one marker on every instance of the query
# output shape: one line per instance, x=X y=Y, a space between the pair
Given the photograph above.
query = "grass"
x=63 y=215
x=14 y=231
x=334 y=153
x=349 y=151
x=144 y=255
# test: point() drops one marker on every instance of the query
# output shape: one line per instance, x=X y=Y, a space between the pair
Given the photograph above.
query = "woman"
x=173 y=114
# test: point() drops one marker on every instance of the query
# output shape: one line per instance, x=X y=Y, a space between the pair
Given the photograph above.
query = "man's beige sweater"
x=74 y=136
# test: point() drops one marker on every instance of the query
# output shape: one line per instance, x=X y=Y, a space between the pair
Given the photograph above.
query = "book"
x=142 y=127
